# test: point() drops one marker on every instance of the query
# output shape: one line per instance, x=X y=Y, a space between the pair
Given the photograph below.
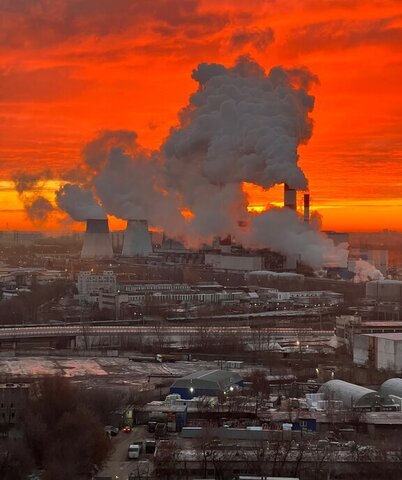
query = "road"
x=119 y=466
x=73 y=330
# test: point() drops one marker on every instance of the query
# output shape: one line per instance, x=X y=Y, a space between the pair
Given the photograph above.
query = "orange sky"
x=70 y=68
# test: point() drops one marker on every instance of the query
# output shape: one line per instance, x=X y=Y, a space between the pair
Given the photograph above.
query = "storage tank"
x=97 y=240
x=384 y=290
x=137 y=239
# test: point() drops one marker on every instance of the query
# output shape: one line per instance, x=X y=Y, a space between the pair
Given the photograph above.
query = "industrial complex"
x=244 y=353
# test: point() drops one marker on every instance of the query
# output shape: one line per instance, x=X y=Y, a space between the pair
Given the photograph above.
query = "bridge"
x=43 y=331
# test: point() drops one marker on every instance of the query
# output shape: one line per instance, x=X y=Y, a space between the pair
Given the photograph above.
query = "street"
x=119 y=466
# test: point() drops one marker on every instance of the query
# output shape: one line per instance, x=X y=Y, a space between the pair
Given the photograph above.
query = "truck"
x=134 y=450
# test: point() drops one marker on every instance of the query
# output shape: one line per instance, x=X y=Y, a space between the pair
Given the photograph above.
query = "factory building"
x=384 y=290
x=221 y=261
x=137 y=239
x=209 y=383
x=382 y=351
x=357 y=397
x=311 y=297
x=97 y=240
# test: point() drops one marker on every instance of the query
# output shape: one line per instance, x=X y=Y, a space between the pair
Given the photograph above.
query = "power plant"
x=97 y=240
x=137 y=239
x=289 y=197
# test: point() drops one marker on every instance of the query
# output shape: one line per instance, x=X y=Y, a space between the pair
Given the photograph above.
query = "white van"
x=134 y=450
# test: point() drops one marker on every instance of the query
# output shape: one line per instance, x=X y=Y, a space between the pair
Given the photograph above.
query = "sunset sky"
x=72 y=68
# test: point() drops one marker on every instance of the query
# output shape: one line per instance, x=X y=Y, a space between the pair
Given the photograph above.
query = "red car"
x=126 y=429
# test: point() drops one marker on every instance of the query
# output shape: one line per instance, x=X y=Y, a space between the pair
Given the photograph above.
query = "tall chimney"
x=137 y=239
x=306 y=210
x=289 y=197
x=97 y=240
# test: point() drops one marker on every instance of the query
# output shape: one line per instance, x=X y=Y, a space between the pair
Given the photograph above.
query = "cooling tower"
x=306 y=207
x=97 y=240
x=289 y=197
x=137 y=239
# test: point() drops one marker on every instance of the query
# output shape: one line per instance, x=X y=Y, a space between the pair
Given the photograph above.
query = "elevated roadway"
x=43 y=331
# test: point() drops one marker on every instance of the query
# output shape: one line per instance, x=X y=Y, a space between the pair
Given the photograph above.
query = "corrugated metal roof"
x=393 y=386
x=216 y=379
x=348 y=393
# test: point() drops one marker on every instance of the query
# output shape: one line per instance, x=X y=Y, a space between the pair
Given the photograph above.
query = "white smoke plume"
x=241 y=125
x=79 y=203
x=284 y=231
x=364 y=272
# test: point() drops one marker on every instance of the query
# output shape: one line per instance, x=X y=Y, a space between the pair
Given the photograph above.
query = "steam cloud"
x=365 y=272
x=241 y=125
x=79 y=203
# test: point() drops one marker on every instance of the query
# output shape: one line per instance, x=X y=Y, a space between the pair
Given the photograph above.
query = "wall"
x=360 y=349
x=232 y=262
x=385 y=354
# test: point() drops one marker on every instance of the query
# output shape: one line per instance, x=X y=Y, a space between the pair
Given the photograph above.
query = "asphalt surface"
x=119 y=466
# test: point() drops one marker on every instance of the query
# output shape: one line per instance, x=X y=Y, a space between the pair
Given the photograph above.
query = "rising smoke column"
x=241 y=125
x=79 y=203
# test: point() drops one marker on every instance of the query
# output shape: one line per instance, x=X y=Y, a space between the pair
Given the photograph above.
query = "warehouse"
x=207 y=383
x=357 y=397
x=393 y=386
x=382 y=351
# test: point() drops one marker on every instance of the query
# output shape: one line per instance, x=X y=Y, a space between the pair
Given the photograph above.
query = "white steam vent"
x=137 y=239
x=97 y=240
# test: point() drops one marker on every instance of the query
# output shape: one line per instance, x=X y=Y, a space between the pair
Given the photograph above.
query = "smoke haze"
x=241 y=125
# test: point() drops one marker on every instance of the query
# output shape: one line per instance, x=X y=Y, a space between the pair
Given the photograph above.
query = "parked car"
x=134 y=450
x=111 y=430
x=150 y=445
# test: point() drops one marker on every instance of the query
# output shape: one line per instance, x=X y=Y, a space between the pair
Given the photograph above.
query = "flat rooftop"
x=397 y=336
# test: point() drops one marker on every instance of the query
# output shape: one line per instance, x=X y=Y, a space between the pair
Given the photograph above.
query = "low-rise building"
x=13 y=403
x=209 y=383
x=90 y=284
x=382 y=351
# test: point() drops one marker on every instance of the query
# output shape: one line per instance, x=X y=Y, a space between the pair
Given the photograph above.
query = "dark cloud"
x=340 y=34
x=24 y=181
x=259 y=39
x=43 y=23
x=39 y=209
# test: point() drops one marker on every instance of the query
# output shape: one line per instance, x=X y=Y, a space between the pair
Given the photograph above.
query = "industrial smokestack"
x=97 y=241
x=137 y=239
x=306 y=209
x=289 y=197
